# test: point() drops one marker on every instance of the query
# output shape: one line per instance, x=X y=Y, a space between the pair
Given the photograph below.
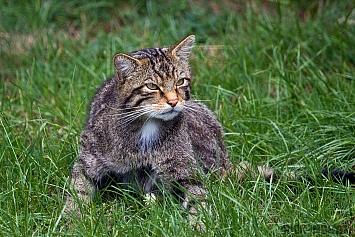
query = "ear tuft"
x=182 y=49
x=125 y=65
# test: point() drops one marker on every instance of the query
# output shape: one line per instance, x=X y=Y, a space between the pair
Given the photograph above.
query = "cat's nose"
x=173 y=102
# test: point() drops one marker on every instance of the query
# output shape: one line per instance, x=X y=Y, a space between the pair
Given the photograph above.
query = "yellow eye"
x=180 y=82
x=152 y=86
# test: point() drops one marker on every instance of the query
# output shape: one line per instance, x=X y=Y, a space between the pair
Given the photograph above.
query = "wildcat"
x=145 y=133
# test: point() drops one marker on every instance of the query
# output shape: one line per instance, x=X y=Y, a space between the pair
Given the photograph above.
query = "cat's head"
x=156 y=81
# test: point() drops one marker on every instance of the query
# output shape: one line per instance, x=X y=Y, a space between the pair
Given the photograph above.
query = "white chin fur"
x=148 y=134
x=168 y=114
x=150 y=129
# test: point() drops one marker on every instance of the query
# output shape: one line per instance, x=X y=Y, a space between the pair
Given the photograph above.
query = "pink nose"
x=172 y=102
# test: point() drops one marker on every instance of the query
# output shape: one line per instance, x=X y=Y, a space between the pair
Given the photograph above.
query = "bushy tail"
x=339 y=176
x=336 y=175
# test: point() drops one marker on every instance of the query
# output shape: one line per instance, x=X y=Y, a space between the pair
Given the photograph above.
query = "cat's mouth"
x=168 y=114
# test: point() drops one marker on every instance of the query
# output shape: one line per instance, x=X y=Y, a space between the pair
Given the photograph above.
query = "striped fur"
x=144 y=133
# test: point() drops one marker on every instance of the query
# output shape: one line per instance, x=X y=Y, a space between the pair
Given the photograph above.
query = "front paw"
x=197 y=211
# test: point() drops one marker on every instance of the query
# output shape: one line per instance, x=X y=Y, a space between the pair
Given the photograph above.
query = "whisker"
x=128 y=108
x=129 y=119
x=195 y=100
x=130 y=114
x=125 y=114
x=195 y=109
x=153 y=114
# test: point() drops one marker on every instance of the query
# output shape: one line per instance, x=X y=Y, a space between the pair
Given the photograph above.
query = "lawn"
x=279 y=75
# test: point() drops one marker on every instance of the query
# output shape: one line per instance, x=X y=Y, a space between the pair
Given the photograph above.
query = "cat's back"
x=201 y=118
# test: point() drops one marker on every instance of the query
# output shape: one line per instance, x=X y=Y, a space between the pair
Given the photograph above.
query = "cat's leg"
x=194 y=200
x=81 y=189
x=194 y=191
x=181 y=178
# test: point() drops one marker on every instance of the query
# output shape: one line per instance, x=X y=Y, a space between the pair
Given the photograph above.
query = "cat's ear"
x=125 y=65
x=182 y=49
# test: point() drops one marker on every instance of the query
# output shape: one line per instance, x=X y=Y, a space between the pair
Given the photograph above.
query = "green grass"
x=279 y=75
